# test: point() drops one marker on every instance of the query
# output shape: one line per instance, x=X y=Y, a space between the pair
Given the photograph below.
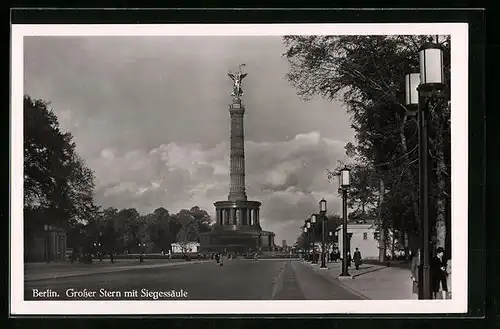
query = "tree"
x=366 y=73
x=158 y=229
x=58 y=185
x=127 y=229
x=202 y=220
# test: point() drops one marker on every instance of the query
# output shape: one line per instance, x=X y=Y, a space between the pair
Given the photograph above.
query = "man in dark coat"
x=357 y=258
x=439 y=274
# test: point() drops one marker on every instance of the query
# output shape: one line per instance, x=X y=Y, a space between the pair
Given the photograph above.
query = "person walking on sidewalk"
x=357 y=259
x=449 y=284
x=349 y=259
x=438 y=273
x=415 y=265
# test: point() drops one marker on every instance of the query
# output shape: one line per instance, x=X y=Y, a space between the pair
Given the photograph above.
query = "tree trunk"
x=409 y=172
x=393 y=245
x=382 y=236
x=441 y=193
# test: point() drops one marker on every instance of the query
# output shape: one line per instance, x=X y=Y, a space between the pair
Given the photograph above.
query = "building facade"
x=362 y=236
x=48 y=245
x=185 y=248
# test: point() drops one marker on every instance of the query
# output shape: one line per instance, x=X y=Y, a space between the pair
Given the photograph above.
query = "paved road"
x=236 y=280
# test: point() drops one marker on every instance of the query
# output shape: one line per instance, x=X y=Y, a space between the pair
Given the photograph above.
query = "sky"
x=150 y=116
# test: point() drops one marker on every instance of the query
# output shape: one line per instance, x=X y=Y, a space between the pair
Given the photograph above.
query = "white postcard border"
x=459 y=151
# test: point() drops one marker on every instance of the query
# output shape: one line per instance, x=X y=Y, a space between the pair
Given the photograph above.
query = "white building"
x=185 y=247
x=361 y=236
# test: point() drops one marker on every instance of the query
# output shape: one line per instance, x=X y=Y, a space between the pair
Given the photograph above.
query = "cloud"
x=287 y=177
x=150 y=116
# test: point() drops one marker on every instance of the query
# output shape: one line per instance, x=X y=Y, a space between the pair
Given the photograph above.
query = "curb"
x=113 y=270
x=357 y=293
x=278 y=281
x=339 y=281
x=375 y=270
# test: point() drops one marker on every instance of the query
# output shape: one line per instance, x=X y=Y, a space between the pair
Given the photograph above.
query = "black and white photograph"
x=204 y=169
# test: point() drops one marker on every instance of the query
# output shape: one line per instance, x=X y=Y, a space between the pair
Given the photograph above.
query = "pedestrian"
x=415 y=266
x=112 y=257
x=349 y=259
x=141 y=257
x=357 y=258
x=449 y=283
x=439 y=274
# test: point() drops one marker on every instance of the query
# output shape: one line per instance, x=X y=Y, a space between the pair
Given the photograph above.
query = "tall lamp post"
x=306 y=244
x=344 y=183
x=322 y=213
x=314 y=221
x=308 y=230
x=330 y=244
x=421 y=89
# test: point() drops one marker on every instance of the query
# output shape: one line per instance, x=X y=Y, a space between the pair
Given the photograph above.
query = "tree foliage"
x=366 y=74
x=58 y=186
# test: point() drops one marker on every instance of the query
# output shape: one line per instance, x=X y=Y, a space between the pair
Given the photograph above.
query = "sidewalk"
x=372 y=281
x=44 y=271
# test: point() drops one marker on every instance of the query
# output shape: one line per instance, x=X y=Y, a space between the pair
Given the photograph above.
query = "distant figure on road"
x=415 y=265
x=101 y=256
x=256 y=257
x=357 y=258
x=141 y=257
x=112 y=257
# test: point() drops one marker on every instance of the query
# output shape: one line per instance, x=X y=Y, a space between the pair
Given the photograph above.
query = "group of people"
x=335 y=257
x=356 y=258
x=440 y=273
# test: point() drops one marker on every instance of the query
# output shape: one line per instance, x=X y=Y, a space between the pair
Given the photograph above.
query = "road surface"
x=236 y=280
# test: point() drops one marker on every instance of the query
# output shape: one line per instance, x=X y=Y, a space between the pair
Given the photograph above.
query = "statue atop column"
x=237 y=80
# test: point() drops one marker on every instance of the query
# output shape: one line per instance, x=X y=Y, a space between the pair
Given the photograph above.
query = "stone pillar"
x=237 y=152
x=244 y=216
x=238 y=216
x=224 y=216
x=232 y=218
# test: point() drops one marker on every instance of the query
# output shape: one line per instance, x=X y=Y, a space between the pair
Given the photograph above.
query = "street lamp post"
x=308 y=226
x=344 y=183
x=330 y=244
x=314 y=221
x=322 y=212
x=421 y=89
x=306 y=247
